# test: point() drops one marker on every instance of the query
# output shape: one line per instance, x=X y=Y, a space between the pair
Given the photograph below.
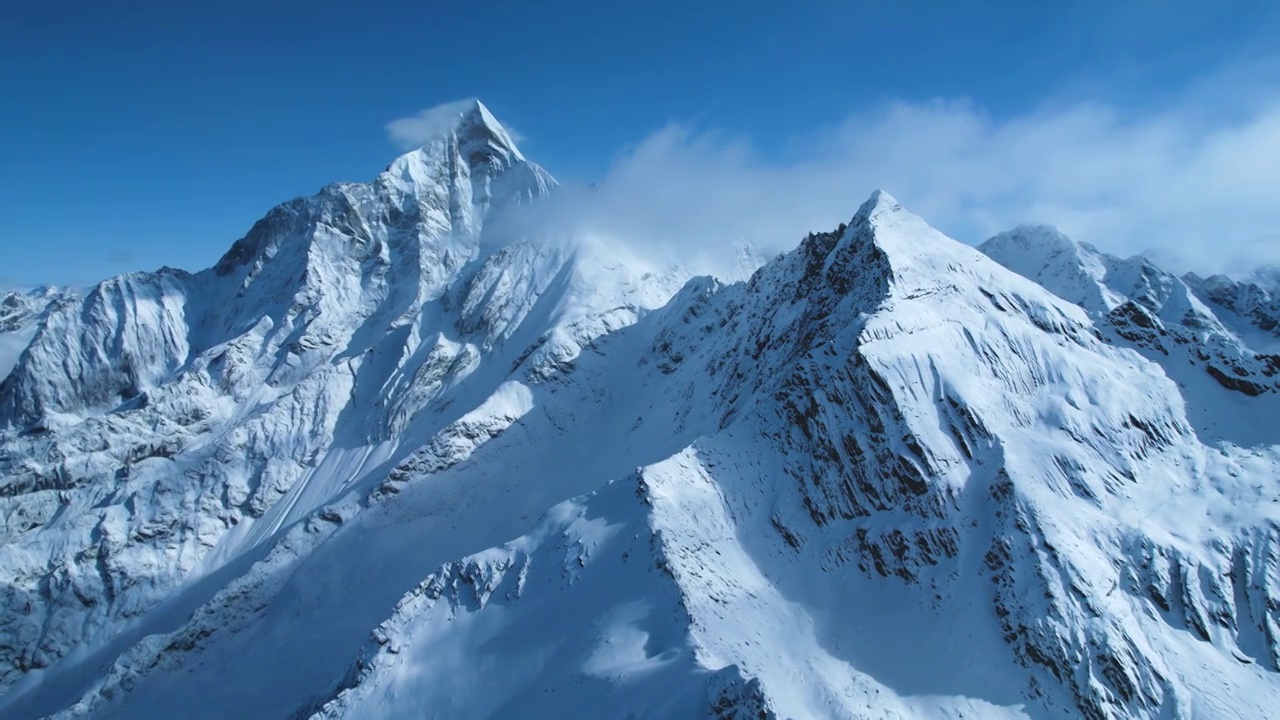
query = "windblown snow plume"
x=394 y=457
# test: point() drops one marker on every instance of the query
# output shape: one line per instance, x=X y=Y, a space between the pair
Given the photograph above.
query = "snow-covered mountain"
x=1253 y=304
x=1265 y=276
x=389 y=458
x=1212 y=337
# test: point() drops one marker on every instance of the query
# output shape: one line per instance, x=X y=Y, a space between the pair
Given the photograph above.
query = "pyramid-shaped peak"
x=474 y=114
x=468 y=120
x=481 y=114
x=898 y=235
x=881 y=197
x=473 y=121
x=879 y=202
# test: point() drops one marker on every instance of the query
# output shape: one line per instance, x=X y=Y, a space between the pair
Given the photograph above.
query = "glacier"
x=397 y=455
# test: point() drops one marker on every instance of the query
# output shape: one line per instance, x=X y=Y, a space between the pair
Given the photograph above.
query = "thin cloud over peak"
x=413 y=131
x=1195 y=184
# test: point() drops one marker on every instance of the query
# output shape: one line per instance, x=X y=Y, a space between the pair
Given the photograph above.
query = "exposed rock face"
x=372 y=464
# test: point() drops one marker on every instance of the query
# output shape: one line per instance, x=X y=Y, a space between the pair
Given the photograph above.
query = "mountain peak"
x=477 y=110
x=879 y=203
x=467 y=122
x=475 y=121
x=464 y=151
x=1072 y=270
x=1044 y=238
x=1043 y=245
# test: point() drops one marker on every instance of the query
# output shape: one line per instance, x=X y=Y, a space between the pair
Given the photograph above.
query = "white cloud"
x=1202 y=191
x=413 y=131
x=517 y=137
x=1198 y=183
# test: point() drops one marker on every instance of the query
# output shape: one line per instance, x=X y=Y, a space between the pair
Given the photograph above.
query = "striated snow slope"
x=1213 y=343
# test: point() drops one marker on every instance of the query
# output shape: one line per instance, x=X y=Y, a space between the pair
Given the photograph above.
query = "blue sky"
x=150 y=133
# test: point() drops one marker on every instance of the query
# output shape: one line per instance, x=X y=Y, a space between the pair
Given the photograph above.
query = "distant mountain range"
x=390 y=459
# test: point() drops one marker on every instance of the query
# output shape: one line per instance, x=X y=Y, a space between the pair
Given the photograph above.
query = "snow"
x=1250 y=308
x=11 y=346
x=1216 y=354
x=391 y=459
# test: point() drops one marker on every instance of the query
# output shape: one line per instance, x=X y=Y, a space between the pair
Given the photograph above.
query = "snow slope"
x=19 y=318
x=1213 y=343
x=380 y=463
x=1251 y=307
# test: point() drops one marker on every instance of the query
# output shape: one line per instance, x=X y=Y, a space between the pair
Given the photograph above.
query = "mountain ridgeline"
x=390 y=458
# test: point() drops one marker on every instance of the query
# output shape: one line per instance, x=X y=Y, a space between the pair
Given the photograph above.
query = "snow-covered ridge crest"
x=1214 y=337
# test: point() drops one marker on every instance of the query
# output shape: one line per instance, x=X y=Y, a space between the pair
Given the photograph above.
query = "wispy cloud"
x=415 y=130
x=1200 y=189
x=516 y=136
x=120 y=256
x=1195 y=180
